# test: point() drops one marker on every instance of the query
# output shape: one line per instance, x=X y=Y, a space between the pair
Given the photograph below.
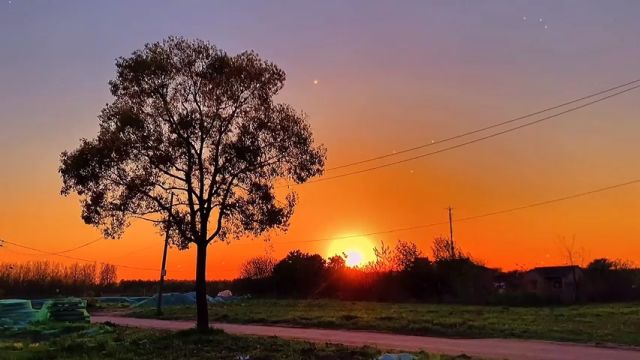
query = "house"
x=507 y=282
x=555 y=283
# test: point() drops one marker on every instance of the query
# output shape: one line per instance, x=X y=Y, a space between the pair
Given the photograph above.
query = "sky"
x=374 y=77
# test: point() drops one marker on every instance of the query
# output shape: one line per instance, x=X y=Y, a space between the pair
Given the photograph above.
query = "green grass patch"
x=599 y=323
x=66 y=341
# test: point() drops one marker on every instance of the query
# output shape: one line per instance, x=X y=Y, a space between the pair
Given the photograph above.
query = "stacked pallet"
x=69 y=310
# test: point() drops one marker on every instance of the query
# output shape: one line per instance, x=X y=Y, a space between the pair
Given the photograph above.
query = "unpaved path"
x=484 y=348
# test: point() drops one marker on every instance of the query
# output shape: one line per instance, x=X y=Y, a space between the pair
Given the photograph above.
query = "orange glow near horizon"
x=357 y=251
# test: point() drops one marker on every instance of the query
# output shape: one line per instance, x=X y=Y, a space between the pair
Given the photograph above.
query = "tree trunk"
x=202 y=308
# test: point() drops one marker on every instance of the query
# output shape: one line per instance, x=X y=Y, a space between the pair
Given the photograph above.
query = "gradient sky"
x=390 y=75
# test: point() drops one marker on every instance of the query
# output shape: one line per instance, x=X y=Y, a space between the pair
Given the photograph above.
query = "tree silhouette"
x=108 y=275
x=336 y=263
x=384 y=258
x=192 y=121
x=258 y=267
x=299 y=274
x=405 y=254
x=444 y=249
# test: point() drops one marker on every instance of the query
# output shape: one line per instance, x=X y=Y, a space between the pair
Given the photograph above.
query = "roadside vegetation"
x=112 y=342
x=599 y=323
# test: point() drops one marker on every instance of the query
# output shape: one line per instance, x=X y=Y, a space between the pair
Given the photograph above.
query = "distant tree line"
x=401 y=273
x=44 y=279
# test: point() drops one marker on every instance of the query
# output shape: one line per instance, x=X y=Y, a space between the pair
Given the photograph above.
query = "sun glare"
x=354 y=258
x=358 y=251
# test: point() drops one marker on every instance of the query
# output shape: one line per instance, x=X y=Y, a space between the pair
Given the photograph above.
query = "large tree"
x=190 y=121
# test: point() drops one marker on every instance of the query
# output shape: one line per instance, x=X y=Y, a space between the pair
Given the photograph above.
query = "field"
x=110 y=342
x=606 y=323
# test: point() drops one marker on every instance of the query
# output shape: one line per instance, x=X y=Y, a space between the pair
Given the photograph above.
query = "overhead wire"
x=476 y=140
x=471 y=132
x=77 y=258
x=468 y=218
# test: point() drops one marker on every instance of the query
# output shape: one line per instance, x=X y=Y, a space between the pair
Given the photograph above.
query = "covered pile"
x=15 y=312
x=172 y=299
x=121 y=300
x=69 y=309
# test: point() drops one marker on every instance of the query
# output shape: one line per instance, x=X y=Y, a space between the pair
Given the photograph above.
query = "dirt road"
x=485 y=348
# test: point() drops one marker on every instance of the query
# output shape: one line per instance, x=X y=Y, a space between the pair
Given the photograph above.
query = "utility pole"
x=163 y=270
x=451 y=243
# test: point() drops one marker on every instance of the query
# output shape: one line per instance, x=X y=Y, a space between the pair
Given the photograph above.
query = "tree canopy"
x=191 y=120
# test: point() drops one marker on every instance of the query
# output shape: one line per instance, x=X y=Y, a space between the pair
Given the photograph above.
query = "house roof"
x=555 y=271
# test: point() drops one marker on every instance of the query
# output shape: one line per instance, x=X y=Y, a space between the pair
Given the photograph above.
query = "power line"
x=80 y=246
x=395 y=153
x=77 y=247
x=531 y=123
x=546 y=202
x=80 y=259
x=382 y=232
x=76 y=258
x=468 y=218
x=454 y=137
x=388 y=231
x=4 y=248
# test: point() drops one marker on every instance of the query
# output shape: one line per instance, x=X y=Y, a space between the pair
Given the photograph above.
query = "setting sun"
x=354 y=258
x=358 y=251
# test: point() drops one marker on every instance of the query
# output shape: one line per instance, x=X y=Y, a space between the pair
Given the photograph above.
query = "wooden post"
x=451 y=243
x=163 y=270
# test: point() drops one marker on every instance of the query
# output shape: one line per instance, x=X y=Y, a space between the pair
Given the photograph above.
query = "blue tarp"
x=125 y=300
x=185 y=299
x=170 y=299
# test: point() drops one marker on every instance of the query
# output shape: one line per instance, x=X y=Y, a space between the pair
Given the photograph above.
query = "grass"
x=600 y=324
x=112 y=342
